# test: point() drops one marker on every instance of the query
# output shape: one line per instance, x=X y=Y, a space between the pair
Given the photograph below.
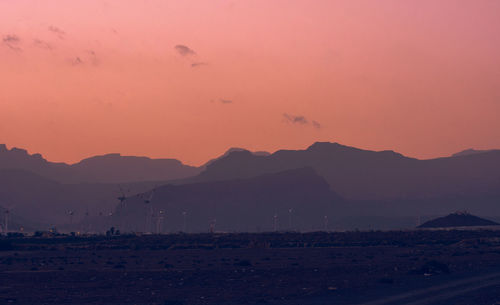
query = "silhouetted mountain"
x=381 y=184
x=368 y=175
x=112 y=168
x=458 y=219
x=237 y=205
x=119 y=169
x=17 y=158
x=469 y=152
x=235 y=149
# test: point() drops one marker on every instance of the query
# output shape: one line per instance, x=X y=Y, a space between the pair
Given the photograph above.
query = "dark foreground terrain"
x=412 y=267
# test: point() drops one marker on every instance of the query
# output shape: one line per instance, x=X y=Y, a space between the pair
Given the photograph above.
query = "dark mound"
x=458 y=219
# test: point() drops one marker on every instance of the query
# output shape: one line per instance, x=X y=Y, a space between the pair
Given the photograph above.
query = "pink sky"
x=86 y=77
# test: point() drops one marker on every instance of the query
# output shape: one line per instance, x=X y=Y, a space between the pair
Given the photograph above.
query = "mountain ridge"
x=108 y=168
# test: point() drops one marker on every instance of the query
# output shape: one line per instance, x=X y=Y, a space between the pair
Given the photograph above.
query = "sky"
x=190 y=79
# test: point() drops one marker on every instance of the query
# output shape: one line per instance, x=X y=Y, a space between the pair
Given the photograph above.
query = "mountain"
x=235 y=149
x=111 y=168
x=116 y=168
x=17 y=158
x=236 y=205
x=363 y=174
x=469 y=152
x=380 y=184
x=458 y=219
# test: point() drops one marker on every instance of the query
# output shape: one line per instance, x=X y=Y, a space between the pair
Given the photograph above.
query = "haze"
x=188 y=79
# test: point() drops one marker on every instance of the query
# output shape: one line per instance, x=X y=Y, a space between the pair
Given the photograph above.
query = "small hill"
x=458 y=219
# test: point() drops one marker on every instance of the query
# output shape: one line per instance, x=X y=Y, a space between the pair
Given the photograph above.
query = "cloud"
x=184 y=50
x=92 y=56
x=88 y=57
x=222 y=101
x=42 y=44
x=11 y=39
x=60 y=33
x=198 y=64
x=300 y=120
x=77 y=61
x=12 y=42
x=295 y=119
x=316 y=124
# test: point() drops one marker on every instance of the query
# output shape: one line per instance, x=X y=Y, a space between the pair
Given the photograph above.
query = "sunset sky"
x=189 y=79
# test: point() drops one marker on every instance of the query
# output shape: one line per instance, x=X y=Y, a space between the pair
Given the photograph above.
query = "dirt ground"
x=412 y=267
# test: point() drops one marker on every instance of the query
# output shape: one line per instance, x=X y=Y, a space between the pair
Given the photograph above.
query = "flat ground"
x=413 y=267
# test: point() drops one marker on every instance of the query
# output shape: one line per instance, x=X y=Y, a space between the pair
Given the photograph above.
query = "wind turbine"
x=122 y=198
x=212 y=225
x=275 y=222
x=110 y=220
x=86 y=222
x=101 y=223
x=159 y=221
x=149 y=218
x=6 y=221
x=184 y=221
x=418 y=221
x=8 y=209
x=71 y=213
x=325 y=223
x=290 y=211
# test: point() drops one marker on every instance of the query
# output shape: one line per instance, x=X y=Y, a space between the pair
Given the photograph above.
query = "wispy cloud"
x=222 y=101
x=88 y=57
x=295 y=119
x=42 y=44
x=316 y=124
x=300 y=120
x=11 y=39
x=184 y=50
x=76 y=61
x=198 y=64
x=12 y=42
x=92 y=56
x=57 y=31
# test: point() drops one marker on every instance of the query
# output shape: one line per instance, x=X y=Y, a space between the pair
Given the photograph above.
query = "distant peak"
x=19 y=150
x=470 y=151
x=242 y=152
x=233 y=149
x=319 y=145
x=112 y=155
x=238 y=149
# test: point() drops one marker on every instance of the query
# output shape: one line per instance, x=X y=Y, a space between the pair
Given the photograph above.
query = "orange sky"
x=86 y=77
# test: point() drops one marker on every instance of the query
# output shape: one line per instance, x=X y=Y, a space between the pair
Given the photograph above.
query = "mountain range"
x=324 y=179
x=110 y=168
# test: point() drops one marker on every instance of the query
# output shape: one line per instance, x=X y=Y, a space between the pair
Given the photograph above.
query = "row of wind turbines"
x=153 y=219
x=157 y=218
x=160 y=217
